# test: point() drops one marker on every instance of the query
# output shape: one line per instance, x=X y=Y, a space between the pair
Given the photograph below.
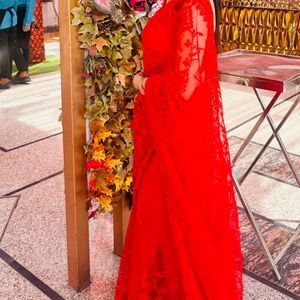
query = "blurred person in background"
x=25 y=13
x=8 y=43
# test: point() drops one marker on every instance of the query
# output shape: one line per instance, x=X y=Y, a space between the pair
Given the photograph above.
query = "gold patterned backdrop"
x=261 y=25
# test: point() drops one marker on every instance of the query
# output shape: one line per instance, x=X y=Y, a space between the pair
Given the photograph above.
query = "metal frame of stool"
x=237 y=182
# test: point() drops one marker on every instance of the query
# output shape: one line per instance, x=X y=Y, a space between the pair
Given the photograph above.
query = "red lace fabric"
x=183 y=238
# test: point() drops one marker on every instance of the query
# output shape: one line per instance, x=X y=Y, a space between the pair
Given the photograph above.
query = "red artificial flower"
x=94 y=164
x=93 y=183
x=85 y=75
x=138 y=5
x=92 y=214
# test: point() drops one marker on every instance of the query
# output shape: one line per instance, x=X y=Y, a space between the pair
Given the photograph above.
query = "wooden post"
x=74 y=138
x=121 y=215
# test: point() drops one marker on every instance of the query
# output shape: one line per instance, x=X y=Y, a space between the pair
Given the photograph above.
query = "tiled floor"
x=31 y=166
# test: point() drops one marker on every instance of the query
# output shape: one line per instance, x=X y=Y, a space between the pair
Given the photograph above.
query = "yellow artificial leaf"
x=128 y=181
x=99 y=155
x=104 y=135
x=105 y=202
x=112 y=163
x=118 y=184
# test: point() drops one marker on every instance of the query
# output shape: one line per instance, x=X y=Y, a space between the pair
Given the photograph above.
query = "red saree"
x=183 y=237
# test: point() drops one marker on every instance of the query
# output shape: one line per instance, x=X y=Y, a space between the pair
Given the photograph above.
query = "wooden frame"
x=74 y=137
x=121 y=215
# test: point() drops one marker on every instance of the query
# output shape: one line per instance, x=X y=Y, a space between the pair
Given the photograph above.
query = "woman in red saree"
x=183 y=239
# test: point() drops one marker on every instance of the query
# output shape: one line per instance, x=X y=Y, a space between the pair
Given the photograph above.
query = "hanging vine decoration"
x=113 y=55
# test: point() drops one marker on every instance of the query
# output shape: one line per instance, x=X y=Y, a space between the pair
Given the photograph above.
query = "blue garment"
x=9 y=20
x=30 y=6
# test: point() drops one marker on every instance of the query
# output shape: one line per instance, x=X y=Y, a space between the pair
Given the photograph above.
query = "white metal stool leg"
x=277 y=136
x=255 y=226
x=292 y=108
x=255 y=128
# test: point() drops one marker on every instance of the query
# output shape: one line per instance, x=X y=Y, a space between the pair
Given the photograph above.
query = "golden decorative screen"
x=262 y=25
x=273 y=4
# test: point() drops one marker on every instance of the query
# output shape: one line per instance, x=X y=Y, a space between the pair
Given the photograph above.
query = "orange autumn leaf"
x=96 y=125
x=100 y=43
x=108 y=192
x=110 y=178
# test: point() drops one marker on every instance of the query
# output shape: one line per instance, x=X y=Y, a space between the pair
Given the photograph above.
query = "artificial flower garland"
x=113 y=57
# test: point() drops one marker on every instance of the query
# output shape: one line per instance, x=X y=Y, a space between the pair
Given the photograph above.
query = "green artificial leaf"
x=78 y=15
x=120 y=79
x=138 y=63
x=126 y=67
x=95 y=110
x=100 y=42
x=118 y=88
x=100 y=175
x=112 y=123
x=129 y=22
x=126 y=52
x=128 y=81
x=127 y=135
x=130 y=105
x=87 y=28
x=116 y=36
x=120 y=118
x=118 y=3
x=106 y=51
x=113 y=107
x=85 y=38
x=99 y=83
x=143 y=22
x=126 y=41
x=118 y=15
x=116 y=55
x=89 y=82
x=99 y=18
x=90 y=92
x=114 y=70
x=88 y=20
